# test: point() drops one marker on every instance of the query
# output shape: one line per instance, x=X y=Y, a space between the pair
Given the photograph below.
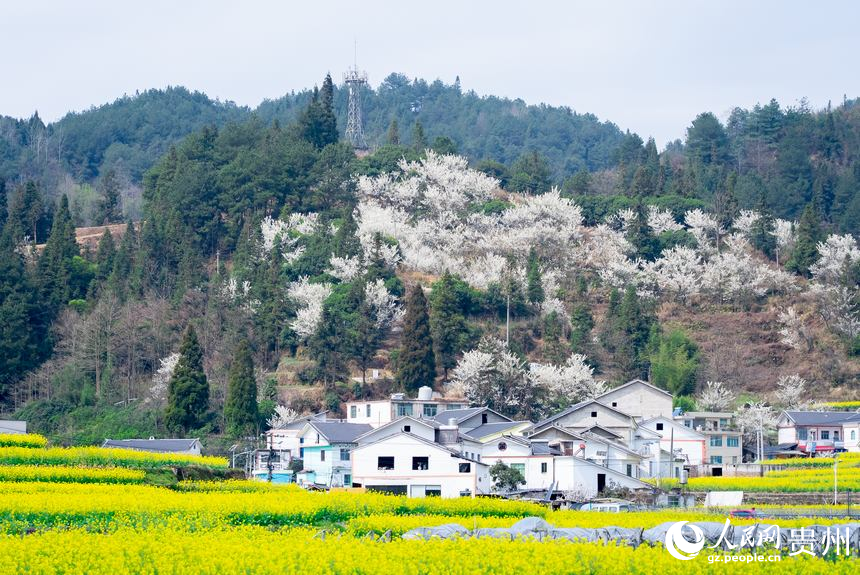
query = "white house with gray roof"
x=325 y=448
x=819 y=431
x=639 y=399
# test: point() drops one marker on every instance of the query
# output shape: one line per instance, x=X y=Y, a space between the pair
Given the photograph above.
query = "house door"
x=601 y=482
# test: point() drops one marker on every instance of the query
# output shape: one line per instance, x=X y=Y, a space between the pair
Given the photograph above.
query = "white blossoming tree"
x=791 y=392
x=309 y=299
x=716 y=397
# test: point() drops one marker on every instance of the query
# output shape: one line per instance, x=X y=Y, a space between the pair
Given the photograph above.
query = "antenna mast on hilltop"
x=355 y=79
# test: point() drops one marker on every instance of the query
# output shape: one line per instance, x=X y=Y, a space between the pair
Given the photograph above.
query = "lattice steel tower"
x=355 y=79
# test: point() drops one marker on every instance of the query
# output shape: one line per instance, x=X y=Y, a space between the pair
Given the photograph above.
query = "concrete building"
x=817 y=431
x=639 y=399
x=325 y=450
x=679 y=439
x=585 y=415
x=724 y=446
x=428 y=404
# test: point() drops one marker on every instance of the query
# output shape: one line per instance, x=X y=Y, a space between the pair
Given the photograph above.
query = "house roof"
x=543 y=448
x=560 y=429
x=576 y=407
x=605 y=429
x=461 y=415
x=161 y=445
x=634 y=382
x=425 y=422
x=671 y=421
x=822 y=417
x=613 y=444
x=420 y=439
x=338 y=431
x=493 y=428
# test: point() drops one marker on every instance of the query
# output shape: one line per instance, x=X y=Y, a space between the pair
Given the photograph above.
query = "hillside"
x=289 y=269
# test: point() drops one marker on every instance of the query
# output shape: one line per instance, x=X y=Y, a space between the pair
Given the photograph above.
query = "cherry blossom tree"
x=836 y=256
x=309 y=299
x=716 y=397
x=383 y=303
x=791 y=392
x=161 y=378
x=282 y=417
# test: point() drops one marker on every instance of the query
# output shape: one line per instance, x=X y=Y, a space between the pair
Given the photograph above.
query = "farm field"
x=101 y=517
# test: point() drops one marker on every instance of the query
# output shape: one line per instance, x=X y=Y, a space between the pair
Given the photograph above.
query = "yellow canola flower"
x=63 y=473
x=256 y=550
x=22 y=440
x=101 y=456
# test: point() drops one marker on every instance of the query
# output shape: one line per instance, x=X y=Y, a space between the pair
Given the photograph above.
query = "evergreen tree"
x=630 y=325
x=582 y=323
x=22 y=331
x=367 y=337
x=188 y=389
x=761 y=233
x=806 y=247
x=531 y=174
x=554 y=350
x=27 y=214
x=240 y=407
x=109 y=211
x=419 y=141
x=640 y=235
x=123 y=262
x=346 y=242
x=674 y=362
x=534 y=288
x=335 y=340
x=4 y=205
x=56 y=264
x=105 y=256
x=328 y=119
x=447 y=323
x=416 y=362
x=393 y=138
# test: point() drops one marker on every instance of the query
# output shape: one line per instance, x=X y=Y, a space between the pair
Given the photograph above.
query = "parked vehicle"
x=608 y=505
x=743 y=513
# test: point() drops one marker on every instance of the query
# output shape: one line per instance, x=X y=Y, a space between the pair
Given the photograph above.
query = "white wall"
x=380 y=412
x=605 y=417
x=577 y=475
x=691 y=443
x=443 y=469
x=398 y=426
x=639 y=400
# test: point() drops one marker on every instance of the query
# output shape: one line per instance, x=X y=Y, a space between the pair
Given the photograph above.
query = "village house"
x=639 y=399
x=379 y=412
x=677 y=438
x=325 y=452
x=724 y=445
x=585 y=415
x=813 y=432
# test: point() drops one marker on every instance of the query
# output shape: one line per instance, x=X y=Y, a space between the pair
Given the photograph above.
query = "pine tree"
x=346 y=243
x=123 y=262
x=27 y=214
x=447 y=324
x=534 y=288
x=188 y=390
x=554 y=350
x=640 y=235
x=328 y=119
x=419 y=141
x=393 y=137
x=416 y=362
x=761 y=233
x=631 y=326
x=240 y=407
x=806 y=247
x=56 y=262
x=582 y=323
x=22 y=333
x=4 y=205
x=367 y=336
x=109 y=211
x=105 y=256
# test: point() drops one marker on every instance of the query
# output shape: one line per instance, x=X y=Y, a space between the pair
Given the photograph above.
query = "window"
x=521 y=467
x=716 y=460
x=659 y=427
x=614 y=404
x=731 y=442
x=385 y=462
x=404 y=409
x=802 y=434
x=543 y=467
x=483 y=419
x=344 y=454
x=432 y=491
x=593 y=414
x=420 y=463
x=835 y=436
x=724 y=422
x=465 y=468
x=353 y=411
x=347 y=480
x=688 y=423
x=502 y=446
x=322 y=454
x=430 y=409
x=825 y=435
x=453 y=406
x=716 y=441
x=853 y=435
x=368 y=410
x=407 y=428
x=629 y=470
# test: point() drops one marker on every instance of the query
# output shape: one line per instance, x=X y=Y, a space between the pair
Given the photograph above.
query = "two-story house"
x=818 y=431
x=724 y=445
x=325 y=448
x=428 y=404
x=639 y=399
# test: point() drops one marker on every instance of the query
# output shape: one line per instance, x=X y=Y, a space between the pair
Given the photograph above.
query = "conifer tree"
x=582 y=323
x=4 y=205
x=188 y=390
x=109 y=211
x=240 y=407
x=447 y=324
x=416 y=362
x=393 y=137
x=56 y=262
x=419 y=141
x=761 y=233
x=534 y=288
x=21 y=337
x=105 y=256
x=806 y=247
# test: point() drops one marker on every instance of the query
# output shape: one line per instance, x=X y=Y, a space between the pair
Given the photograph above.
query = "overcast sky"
x=647 y=66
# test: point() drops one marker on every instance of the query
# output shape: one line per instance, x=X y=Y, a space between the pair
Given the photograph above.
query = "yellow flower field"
x=22 y=440
x=99 y=456
x=257 y=550
x=64 y=473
